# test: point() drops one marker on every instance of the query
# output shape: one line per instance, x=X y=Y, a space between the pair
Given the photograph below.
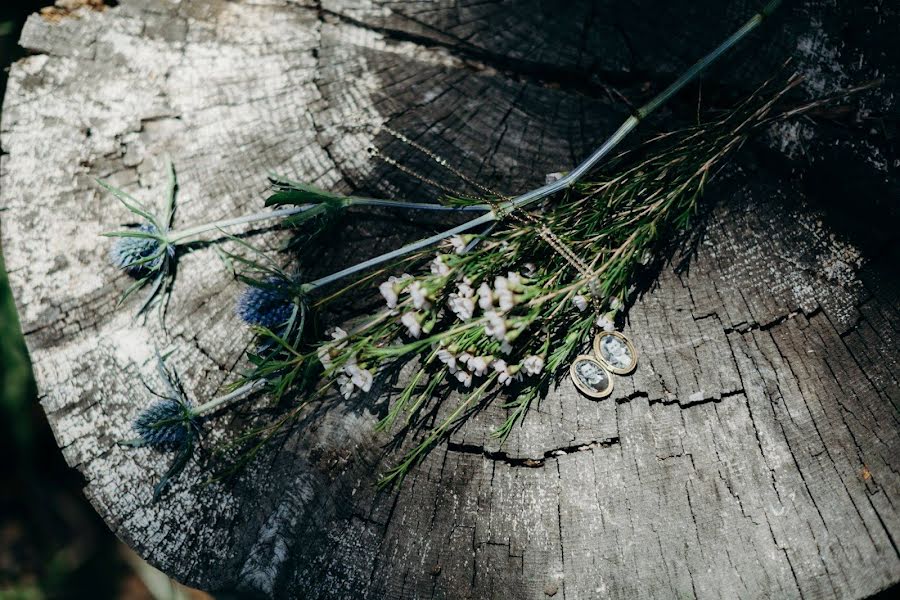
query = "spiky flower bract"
x=170 y=424
x=166 y=424
x=269 y=304
x=141 y=255
x=146 y=252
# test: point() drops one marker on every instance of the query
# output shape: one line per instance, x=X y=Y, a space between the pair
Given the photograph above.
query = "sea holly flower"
x=269 y=304
x=148 y=250
x=138 y=255
x=166 y=424
x=173 y=424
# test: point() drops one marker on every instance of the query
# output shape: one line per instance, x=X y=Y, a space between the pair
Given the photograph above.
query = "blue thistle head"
x=167 y=424
x=270 y=305
x=131 y=254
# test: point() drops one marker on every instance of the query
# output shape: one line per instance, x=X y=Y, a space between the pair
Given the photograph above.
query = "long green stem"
x=180 y=237
x=176 y=237
x=353 y=201
x=573 y=176
x=239 y=393
x=486 y=218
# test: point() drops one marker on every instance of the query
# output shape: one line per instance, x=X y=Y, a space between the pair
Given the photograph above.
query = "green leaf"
x=184 y=455
x=302 y=193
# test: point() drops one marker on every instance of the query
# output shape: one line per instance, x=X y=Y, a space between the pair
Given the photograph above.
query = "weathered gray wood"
x=755 y=452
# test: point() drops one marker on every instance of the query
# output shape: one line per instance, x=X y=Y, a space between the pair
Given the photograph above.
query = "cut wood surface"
x=755 y=451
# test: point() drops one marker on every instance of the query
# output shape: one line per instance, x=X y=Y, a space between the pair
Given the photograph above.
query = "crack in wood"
x=529 y=462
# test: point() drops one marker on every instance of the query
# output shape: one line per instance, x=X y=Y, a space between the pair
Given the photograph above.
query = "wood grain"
x=754 y=453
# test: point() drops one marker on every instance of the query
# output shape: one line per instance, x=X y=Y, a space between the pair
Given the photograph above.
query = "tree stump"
x=755 y=452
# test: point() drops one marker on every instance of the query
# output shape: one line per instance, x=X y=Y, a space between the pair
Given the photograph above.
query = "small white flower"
x=462 y=301
x=505 y=347
x=506 y=374
x=413 y=323
x=533 y=365
x=496 y=325
x=479 y=364
x=464 y=358
x=605 y=323
x=337 y=334
x=465 y=378
x=463 y=308
x=506 y=300
x=458 y=243
x=646 y=258
x=465 y=290
x=361 y=378
x=439 y=267
x=515 y=281
x=324 y=354
x=418 y=295
x=506 y=378
x=345 y=386
x=485 y=297
x=501 y=283
x=390 y=289
x=530 y=269
x=615 y=304
x=449 y=359
x=580 y=302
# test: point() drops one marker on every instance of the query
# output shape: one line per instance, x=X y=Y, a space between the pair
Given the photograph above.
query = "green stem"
x=241 y=392
x=177 y=237
x=486 y=218
x=572 y=177
x=180 y=237
x=353 y=201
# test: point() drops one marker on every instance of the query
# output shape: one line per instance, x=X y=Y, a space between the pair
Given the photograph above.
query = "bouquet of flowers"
x=528 y=290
